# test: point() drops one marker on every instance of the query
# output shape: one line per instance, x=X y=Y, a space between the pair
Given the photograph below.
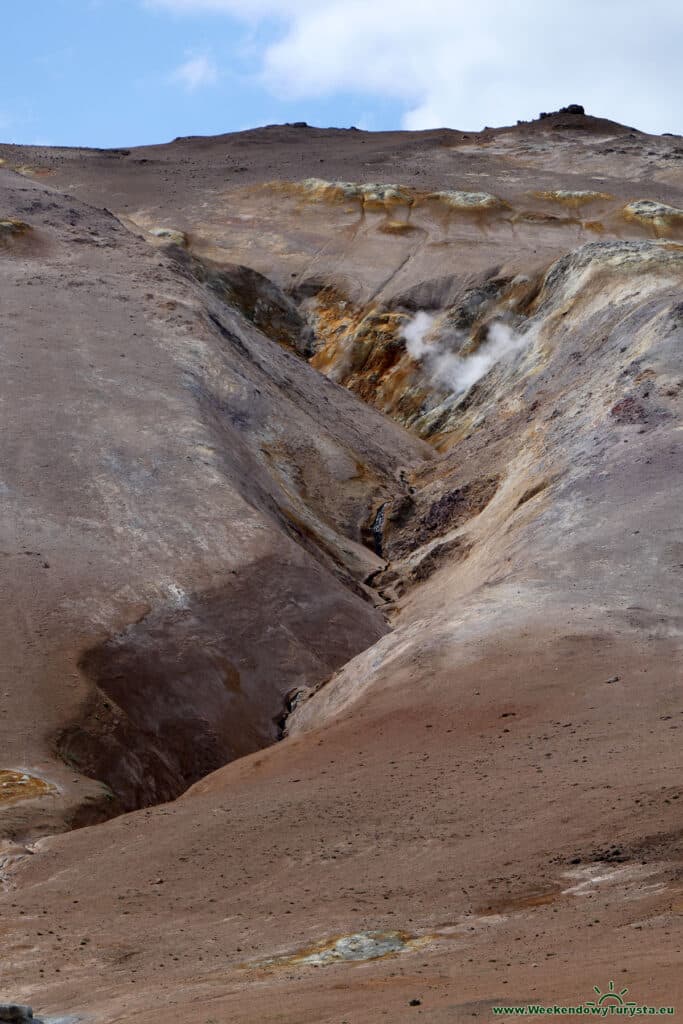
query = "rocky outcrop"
x=573 y=108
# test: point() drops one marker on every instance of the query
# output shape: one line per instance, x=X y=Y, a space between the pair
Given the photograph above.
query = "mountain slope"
x=477 y=801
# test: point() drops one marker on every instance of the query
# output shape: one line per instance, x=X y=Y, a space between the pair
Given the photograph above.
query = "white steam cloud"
x=449 y=370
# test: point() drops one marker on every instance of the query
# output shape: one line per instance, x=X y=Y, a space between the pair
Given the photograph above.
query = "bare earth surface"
x=237 y=510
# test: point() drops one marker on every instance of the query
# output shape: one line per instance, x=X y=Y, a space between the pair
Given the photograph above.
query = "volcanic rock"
x=16 y=1013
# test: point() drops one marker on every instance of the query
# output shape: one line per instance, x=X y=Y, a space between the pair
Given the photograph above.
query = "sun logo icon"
x=609 y=998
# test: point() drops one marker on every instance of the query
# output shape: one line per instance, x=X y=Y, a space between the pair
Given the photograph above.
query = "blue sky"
x=129 y=72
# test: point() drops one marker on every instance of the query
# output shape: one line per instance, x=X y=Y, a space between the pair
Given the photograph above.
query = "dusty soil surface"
x=236 y=507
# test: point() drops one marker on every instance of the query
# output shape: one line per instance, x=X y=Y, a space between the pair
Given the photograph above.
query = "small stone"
x=612 y=679
x=415 y=1002
x=171 y=236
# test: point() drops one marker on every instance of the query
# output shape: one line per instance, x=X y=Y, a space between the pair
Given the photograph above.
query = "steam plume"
x=449 y=370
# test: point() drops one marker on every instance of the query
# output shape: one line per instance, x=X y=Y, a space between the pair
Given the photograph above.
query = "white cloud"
x=239 y=8
x=196 y=72
x=463 y=64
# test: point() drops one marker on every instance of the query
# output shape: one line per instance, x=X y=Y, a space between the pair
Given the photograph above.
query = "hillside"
x=342 y=565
